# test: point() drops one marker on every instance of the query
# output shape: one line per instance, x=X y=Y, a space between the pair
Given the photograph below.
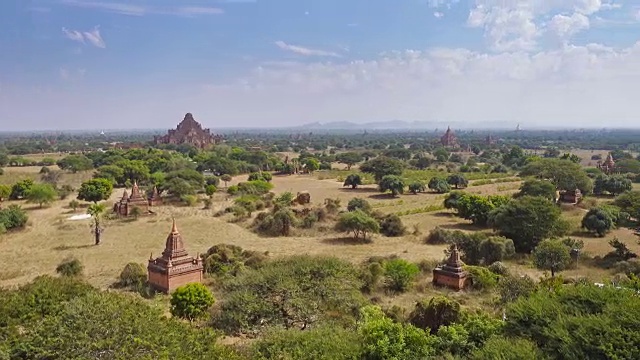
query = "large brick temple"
x=175 y=267
x=189 y=131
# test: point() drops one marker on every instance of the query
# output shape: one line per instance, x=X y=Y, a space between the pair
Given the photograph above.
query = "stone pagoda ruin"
x=154 y=198
x=608 y=166
x=189 y=131
x=127 y=203
x=451 y=274
x=449 y=139
x=175 y=267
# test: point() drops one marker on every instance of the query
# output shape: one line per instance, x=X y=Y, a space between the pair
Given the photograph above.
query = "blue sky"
x=76 y=64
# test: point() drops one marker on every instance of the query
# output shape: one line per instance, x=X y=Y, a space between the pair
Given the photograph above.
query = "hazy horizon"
x=116 y=64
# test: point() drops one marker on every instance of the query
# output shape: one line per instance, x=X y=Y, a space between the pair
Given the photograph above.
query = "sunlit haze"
x=81 y=64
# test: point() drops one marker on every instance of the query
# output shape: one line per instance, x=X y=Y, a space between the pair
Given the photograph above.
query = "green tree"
x=312 y=165
x=20 y=189
x=349 y=158
x=400 y=274
x=64 y=318
x=392 y=183
x=598 y=221
x=564 y=174
x=359 y=223
x=629 y=202
x=179 y=187
x=96 y=210
x=416 y=187
x=75 y=163
x=226 y=178
x=191 y=301
x=135 y=170
x=615 y=184
x=439 y=185
x=527 y=221
x=385 y=339
x=382 y=166
x=41 y=194
x=359 y=204
x=113 y=173
x=458 y=181
x=551 y=255
x=95 y=190
x=534 y=187
x=511 y=288
x=294 y=292
x=353 y=180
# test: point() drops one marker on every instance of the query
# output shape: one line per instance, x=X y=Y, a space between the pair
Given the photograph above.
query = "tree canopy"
x=95 y=190
x=382 y=166
x=564 y=174
x=527 y=221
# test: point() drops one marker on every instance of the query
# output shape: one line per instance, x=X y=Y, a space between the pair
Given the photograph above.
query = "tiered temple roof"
x=189 y=131
x=449 y=139
x=175 y=267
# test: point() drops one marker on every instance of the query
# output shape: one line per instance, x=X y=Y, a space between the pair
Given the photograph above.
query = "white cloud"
x=68 y=75
x=566 y=26
x=590 y=85
x=92 y=37
x=438 y=14
x=513 y=25
x=142 y=9
x=304 y=50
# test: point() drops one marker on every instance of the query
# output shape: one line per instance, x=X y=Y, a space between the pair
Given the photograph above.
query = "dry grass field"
x=50 y=236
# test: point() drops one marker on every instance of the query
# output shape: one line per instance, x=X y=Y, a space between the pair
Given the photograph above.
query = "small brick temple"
x=175 y=267
x=451 y=274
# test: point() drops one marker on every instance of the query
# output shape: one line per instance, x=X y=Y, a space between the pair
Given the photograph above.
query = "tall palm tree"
x=96 y=211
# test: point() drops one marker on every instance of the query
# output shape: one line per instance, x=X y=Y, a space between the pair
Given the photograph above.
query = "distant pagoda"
x=189 y=131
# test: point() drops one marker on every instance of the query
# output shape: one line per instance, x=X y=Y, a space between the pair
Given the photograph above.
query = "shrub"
x=133 y=275
x=210 y=190
x=70 y=267
x=191 y=301
x=513 y=287
x=262 y=176
x=324 y=342
x=416 y=187
x=256 y=187
x=391 y=226
x=436 y=312
x=498 y=268
x=229 y=259
x=233 y=189
x=332 y=205
x=359 y=203
x=189 y=200
x=400 y=274
x=309 y=220
x=481 y=278
x=13 y=217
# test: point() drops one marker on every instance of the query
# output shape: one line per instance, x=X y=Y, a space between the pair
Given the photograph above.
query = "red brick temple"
x=189 y=131
x=175 y=267
x=127 y=203
x=449 y=139
x=155 y=199
x=608 y=166
x=451 y=274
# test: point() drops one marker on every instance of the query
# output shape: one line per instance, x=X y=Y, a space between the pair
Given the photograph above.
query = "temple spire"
x=174 y=227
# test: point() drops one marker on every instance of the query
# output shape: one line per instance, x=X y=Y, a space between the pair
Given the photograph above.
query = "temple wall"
x=182 y=279
x=452 y=282
x=158 y=280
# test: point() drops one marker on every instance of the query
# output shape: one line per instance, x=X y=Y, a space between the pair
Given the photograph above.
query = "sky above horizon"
x=91 y=64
